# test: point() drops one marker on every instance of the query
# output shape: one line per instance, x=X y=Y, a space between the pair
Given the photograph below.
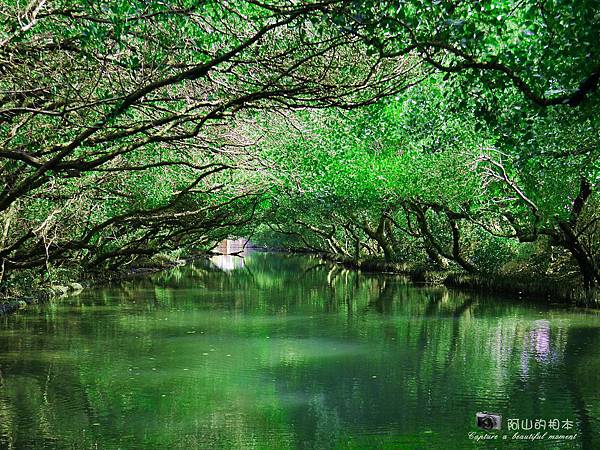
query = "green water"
x=288 y=352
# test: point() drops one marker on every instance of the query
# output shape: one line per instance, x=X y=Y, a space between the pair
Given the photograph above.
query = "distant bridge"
x=232 y=246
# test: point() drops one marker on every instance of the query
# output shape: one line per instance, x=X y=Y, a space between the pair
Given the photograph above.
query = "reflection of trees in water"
x=300 y=281
x=51 y=397
x=582 y=378
x=432 y=351
x=383 y=298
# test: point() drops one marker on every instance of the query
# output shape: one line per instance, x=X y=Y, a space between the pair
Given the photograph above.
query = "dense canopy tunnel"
x=435 y=135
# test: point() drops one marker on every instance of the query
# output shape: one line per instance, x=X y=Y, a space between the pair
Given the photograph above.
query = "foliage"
x=456 y=134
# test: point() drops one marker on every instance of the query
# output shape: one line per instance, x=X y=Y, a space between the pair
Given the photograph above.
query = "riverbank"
x=12 y=303
x=554 y=290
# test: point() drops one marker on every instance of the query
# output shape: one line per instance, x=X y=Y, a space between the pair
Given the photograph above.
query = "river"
x=279 y=351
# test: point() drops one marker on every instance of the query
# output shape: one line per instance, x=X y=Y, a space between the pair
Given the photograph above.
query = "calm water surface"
x=280 y=352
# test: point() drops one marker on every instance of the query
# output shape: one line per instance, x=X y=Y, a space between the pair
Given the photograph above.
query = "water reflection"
x=539 y=345
x=539 y=340
x=289 y=352
x=227 y=262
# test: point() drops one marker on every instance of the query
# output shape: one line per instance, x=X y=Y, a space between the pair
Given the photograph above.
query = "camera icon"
x=488 y=421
